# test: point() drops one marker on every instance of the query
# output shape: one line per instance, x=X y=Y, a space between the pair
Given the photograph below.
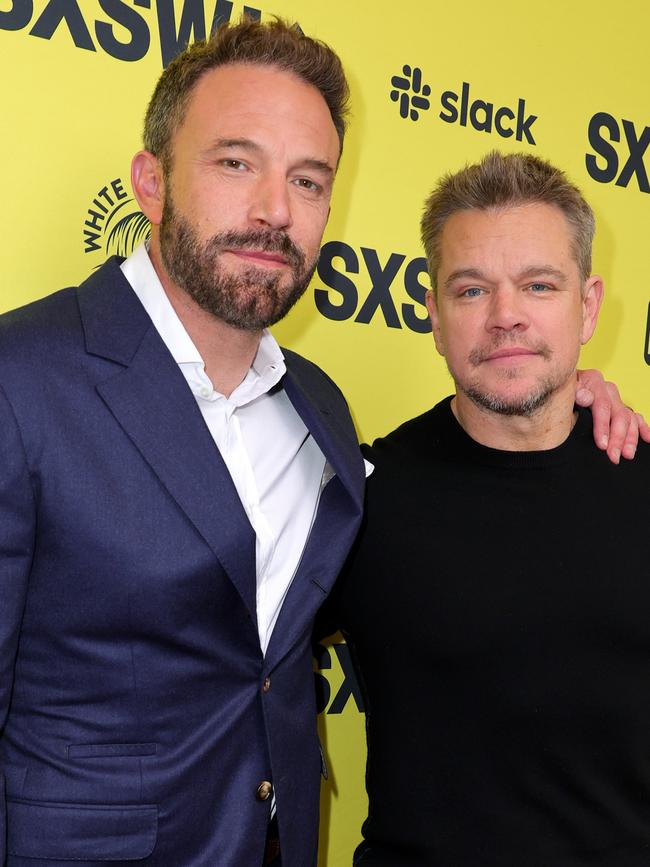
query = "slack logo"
x=605 y=129
x=412 y=95
x=410 y=92
x=485 y=117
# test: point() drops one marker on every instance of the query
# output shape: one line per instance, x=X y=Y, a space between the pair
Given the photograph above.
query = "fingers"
x=584 y=396
x=623 y=435
x=601 y=414
x=617 y=428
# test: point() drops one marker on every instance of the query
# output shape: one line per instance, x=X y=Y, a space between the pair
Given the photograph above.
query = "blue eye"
x=539 y=287
x=472 y=292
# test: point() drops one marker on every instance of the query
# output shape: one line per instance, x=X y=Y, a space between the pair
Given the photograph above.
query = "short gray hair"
x=500 y=181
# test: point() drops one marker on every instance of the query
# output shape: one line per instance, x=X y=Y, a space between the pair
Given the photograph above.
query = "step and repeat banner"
x=433 y=86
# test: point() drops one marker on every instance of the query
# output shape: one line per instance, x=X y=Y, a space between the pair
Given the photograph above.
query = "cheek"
x=309 y=221
x=461 y=334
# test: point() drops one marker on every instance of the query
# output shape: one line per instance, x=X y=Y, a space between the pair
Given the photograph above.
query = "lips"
x=510 y=352
x=259 y=256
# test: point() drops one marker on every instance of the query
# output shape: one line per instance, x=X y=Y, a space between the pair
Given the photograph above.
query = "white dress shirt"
x=273 y=460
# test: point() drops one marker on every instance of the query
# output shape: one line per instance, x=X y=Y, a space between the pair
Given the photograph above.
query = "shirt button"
x=264 y=791
x=266 y=686
x=205 y=391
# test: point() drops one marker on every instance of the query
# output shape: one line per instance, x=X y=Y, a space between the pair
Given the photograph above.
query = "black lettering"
x=646 y=348
x=106 y=195
x=255 y=14
x=416 y=291
x=173 y=41
x=337 y=281
x=379 y=295
x=449 y=100
x=323 y=691
x=138 y=44
x=350 y=686
x=57 y=11
x=524 y=124
x=118 y=189
x=504 y=131
x=222 y=13
x=484 y=125
x=635 y=164
x=18 y=16
x=95 y=221
x=90 y=239
x=603 y=148
x=464 y=101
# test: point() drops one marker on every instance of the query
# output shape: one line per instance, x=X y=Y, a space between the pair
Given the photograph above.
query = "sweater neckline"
x=458 y=439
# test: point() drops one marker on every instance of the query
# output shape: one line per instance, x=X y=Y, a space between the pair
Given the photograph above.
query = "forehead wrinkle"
x=227 y=143
x=475 y=273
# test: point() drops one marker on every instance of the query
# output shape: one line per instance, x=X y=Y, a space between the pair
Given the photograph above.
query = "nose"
x=271 y=204
x=507 y=310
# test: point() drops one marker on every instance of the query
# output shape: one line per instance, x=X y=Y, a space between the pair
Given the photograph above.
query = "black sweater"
x=498 y=606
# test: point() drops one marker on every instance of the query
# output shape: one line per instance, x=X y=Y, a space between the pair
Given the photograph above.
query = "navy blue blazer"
x=134 y=726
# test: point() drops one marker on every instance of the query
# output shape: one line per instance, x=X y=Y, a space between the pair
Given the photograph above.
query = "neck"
x=227 y=351
x=546 y=428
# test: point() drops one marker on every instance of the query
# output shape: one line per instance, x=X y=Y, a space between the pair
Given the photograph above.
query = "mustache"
x=482 y=353
x=258 y=239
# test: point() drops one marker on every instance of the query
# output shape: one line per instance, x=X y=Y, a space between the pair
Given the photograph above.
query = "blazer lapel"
x=336 y=439
x=337 y=518
x=152 y=402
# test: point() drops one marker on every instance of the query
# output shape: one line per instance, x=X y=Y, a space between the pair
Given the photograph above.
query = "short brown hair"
x=500 y=181
x=275 y=43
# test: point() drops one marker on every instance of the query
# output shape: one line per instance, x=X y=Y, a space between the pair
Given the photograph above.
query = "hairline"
x=166 y=157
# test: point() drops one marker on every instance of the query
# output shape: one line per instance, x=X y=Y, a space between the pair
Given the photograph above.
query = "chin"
x=523 y=402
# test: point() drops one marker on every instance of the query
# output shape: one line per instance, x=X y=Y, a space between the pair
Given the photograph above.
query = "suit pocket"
x=101 y=751
x=71 y=832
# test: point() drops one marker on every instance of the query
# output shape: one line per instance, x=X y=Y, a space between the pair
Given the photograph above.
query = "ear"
x=148 y=185
x=432 y=307
x=592 y=298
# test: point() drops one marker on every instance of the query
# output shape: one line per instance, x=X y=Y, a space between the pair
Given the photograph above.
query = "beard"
x=515 y=405
x=524 y=405
x=251 y=298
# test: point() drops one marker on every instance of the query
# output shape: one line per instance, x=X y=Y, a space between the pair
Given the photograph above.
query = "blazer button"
x=264 y=791
x=266 y=686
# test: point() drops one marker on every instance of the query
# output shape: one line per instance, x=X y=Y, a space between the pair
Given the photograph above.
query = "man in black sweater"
x=498 y=600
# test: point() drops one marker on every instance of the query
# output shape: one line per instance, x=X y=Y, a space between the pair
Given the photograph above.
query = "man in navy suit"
x=177 y=494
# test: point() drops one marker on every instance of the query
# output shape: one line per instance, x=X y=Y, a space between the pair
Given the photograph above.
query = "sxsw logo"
x=461 y=106
x=329 y=700
x=119 y=29
x=609 y=164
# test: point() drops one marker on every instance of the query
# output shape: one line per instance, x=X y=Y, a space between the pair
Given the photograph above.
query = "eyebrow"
x=250 y=145
x=227 y=143
x=526 y=274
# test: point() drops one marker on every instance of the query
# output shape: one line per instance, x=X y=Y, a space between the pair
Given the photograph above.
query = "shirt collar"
x=268 y=366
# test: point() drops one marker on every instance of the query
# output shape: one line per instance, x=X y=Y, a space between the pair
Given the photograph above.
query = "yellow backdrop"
x=433 y=86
